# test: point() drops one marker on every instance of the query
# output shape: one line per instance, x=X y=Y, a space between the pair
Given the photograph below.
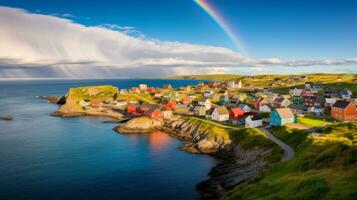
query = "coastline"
x=236 y=164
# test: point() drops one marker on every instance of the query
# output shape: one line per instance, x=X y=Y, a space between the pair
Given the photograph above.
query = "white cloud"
x=32 y=42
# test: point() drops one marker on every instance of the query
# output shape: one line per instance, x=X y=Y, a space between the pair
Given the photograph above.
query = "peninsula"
x=292 y=134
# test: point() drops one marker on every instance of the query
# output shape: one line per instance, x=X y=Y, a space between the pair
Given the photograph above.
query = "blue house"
x=281 y=116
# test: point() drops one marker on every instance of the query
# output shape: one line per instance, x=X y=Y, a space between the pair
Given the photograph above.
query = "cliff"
x=244 y=152
x=72 y=107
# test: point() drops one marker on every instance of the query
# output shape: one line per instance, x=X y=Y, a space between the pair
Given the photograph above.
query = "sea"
x=45 y=157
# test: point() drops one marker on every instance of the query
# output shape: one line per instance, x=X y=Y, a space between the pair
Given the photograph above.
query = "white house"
x=220 y=114
x=234 y=85
x=330 y=101
x=317 y=110
x=143 y=87
x=253 y=121
x=123 y=91
x=294 y=92
x=84 y=102
x=167 y=114
x=120 y=103
x=200 y=110
x=244 y=107
x=205 y=102
x=265 y=108
x=208 y=93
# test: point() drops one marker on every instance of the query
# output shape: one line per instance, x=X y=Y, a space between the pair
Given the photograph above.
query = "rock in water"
x=139 y=125
x=7 y=118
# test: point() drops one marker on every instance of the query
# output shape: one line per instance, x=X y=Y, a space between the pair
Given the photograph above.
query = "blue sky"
x=288 y=30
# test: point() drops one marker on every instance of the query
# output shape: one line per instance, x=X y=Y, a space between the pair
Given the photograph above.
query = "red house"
x=211 y=84
x=131 y=108
x=187 y=100
x=306 y=93
x=259 y=102
x=171 y=105
x=155 y=113
x=151 y=90
x=95 y=103
x=236 y=113
x=223 y=86
x=344 y=111
x=135 y=89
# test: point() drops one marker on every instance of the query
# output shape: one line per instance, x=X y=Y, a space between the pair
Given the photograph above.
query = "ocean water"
x=45 y=157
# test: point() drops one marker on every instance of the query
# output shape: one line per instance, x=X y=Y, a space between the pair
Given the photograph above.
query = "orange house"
x=131 y=108
x=344 y=111
x=171 y=105
x=155 y=113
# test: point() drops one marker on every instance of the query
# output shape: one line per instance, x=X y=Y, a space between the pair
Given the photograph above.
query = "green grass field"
x=311 y=121
x=323 y=167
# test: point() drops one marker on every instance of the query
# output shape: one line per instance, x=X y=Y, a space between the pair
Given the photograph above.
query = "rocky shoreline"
x=237 y=164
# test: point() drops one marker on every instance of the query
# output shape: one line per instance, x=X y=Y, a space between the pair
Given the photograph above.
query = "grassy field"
x=74 y=95
x=311 y=121
x=323 y=167
x=147 y=98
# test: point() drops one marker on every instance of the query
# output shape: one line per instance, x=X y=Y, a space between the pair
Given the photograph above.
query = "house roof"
x=255 y=117
x=285 y=112
x=341 y=104
x=236 y=110
x=204 y=99
x=222 y=110
x=242 y=105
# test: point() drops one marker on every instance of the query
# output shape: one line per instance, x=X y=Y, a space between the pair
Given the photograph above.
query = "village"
x=232 y=104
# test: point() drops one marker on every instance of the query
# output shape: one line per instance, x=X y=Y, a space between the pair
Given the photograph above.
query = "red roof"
x=236 y=113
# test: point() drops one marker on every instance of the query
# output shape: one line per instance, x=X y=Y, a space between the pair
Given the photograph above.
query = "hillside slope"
x=323 y=168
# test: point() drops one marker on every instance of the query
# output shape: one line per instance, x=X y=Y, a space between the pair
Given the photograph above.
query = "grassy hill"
x=74 y=95
x=248 y=138
x=323 y=168
x=281 y=82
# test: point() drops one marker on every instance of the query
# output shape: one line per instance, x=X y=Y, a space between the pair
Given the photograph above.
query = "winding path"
x=288 y=151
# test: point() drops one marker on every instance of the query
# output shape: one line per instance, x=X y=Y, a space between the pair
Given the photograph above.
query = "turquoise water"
x=44 y=157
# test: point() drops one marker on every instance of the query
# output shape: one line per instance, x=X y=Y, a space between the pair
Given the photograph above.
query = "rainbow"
x=224 y=25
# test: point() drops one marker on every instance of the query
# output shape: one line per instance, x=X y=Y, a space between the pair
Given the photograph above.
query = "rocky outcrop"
x=54 y=100
x=237 y=164
x=7 y=118
x=197 y=141
x=139 y=125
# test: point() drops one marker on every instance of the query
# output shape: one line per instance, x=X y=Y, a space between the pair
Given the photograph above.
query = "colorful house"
x=171 y=104
x=236 y=113
x=95 y=103
x=265 y=108
x=131 y=108
x=186 y=100
x=253 y=121
x=344 y=111
x=135 y=89
x=200 y=110
x=298 y=100
x=205 y=102
x=281 y=102
x=157 y=94
x=151 y=90
x=281 y=116
x=155 y=113
x=220 y=114
x=259 y=101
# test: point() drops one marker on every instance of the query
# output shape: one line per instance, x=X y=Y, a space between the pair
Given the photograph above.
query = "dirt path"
x=288 y=151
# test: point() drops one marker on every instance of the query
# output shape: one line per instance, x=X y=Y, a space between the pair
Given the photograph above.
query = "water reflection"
x=159 y=141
